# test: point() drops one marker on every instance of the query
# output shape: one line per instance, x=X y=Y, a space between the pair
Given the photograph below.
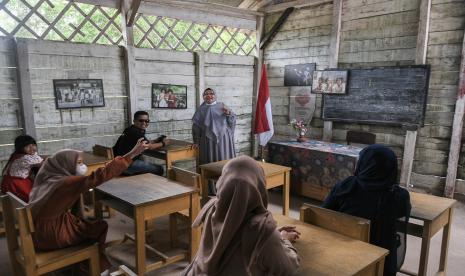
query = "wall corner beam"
x=457 y=126
x=25 y=87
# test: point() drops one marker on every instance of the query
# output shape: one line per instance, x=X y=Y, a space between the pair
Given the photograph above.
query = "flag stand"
x=261 y=152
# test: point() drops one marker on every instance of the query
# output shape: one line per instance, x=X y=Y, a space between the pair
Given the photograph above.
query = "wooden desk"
x=93 y=161
x=276 y=175
x=176 y=150
x=316 y=165
x=324 y=252
x=436 y=214
x=145 y=197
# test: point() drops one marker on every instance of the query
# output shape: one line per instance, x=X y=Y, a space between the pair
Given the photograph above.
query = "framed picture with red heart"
x=332 y=81
x=302 y=104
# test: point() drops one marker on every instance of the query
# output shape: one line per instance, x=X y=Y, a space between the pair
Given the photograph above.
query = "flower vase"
x=301 y=135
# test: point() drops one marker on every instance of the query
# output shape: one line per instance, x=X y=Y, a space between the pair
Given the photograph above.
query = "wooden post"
x=333 y=56
x=129 y=62
x=457 y=126
x=420 y=58
x=24 y=87
x=258 y=61
x=199 y=58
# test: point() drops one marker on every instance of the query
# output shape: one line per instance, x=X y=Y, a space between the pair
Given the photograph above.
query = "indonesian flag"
x=263 y=117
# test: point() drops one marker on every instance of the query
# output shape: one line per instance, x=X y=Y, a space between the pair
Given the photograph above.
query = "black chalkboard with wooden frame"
x=383 y=95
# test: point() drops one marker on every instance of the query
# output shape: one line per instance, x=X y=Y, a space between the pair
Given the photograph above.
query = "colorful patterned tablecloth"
x=316 y=165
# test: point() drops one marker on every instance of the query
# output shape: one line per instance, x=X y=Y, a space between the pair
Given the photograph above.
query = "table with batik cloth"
x=316 y=165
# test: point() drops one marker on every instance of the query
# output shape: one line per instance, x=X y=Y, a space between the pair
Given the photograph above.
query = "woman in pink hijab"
x=239 y=235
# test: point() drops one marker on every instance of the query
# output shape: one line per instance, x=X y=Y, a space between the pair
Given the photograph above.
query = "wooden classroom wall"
x=231 y=76
x=303 y=38
x=165 y=67
x=378 y=33
x=78 y=128
x=10 y=123
x=232 y=79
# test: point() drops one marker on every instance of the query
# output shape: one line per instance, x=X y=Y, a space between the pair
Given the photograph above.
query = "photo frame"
x=333 y=81
x=299 y=74
x=78 y=93
x=169 y=96
x=302 y=104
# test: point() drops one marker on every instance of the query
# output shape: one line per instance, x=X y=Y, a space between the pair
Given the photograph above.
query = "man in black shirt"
x=129 y=138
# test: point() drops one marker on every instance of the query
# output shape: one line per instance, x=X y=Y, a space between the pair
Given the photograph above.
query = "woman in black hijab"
x=373 y=193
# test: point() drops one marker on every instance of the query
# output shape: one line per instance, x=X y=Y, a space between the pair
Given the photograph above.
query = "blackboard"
x=384 y=95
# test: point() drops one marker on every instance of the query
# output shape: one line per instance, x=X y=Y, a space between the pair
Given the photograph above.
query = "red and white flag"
x=263 y=118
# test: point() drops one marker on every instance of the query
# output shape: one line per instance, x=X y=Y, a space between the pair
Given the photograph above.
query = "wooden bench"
x=123 y=271
x=103 y=151
x=344 y=224
x=23 y=256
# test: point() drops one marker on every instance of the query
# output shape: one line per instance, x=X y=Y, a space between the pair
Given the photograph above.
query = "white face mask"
x=81 y=170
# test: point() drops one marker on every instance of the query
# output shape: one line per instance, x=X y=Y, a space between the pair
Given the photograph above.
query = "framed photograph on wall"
x=299 y=74
x=169 y=96
x=78 y=93
x=331 y=81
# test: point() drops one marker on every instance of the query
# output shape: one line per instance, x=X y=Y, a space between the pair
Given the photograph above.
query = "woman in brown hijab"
x=57 y=186
x=239 y=235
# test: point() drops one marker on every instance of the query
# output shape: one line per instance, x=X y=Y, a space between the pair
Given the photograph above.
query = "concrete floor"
x=120 y=224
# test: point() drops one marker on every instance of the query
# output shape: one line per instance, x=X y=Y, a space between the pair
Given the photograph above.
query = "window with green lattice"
x=168 y=33
x=78 y=22
x=60 y=20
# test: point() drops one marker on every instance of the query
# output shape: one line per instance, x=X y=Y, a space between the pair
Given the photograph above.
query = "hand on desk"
x=166 y=141
x=288 y=232
x=195 y=146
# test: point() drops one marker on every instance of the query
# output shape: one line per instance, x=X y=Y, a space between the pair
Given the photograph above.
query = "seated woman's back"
x=372 y=193
x=239 y=234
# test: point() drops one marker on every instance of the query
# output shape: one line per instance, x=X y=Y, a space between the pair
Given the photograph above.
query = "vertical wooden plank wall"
x=303 y=38
x=379 y=33
x=232 y=79
x=165 y=67
x=76 y=128
x=10 y=108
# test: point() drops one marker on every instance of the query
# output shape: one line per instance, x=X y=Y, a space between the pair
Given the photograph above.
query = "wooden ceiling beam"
x=246 y=4
x=218 y=9
x=296 y=4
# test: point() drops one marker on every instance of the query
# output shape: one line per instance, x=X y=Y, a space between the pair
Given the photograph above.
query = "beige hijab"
x=52 y=175
x=237 y=219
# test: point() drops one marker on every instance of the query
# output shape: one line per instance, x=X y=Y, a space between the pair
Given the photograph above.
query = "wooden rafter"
x=246 y=4
x=219 y=9
x=276 y=27
x=295 y=4
x=131 y=14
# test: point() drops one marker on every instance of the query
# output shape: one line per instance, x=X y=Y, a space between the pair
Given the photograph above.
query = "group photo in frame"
x=332 y=81
x=78 y=93
x=169 y=96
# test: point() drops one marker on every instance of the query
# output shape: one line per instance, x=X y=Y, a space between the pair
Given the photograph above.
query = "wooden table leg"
x=204 y=176
x=168 y=161
x=380 y=267
x=97 y=206
x=445 y=244
x=425 y=244
x=139 y=223
x=286 y=193
x=195 y=232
